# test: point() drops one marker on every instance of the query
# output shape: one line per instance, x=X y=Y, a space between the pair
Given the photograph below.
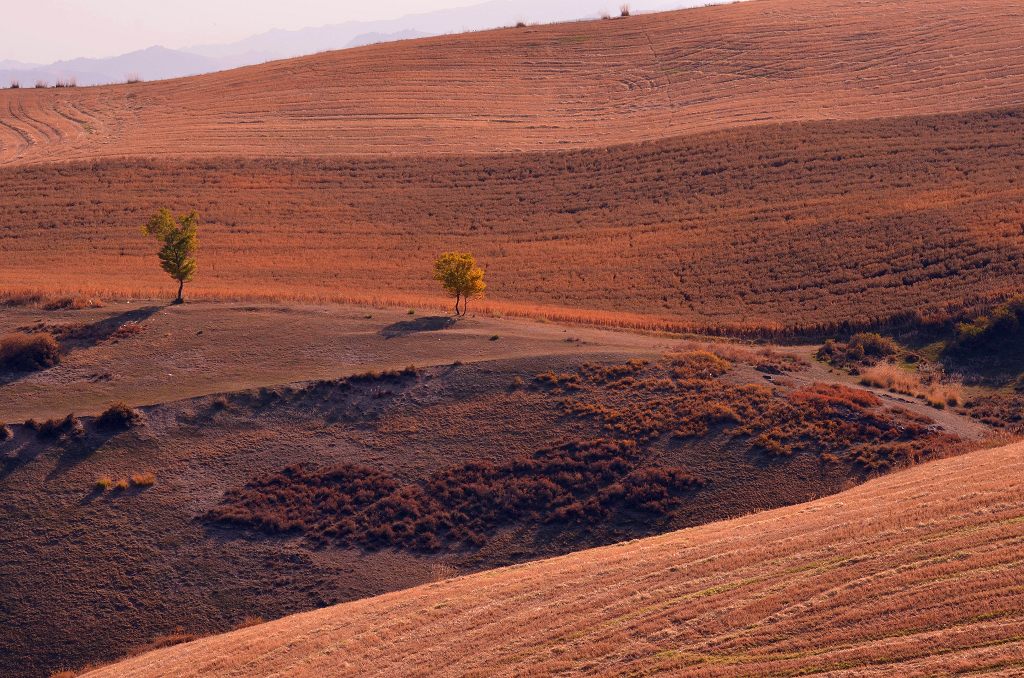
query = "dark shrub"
x=863 y=348
x=997 y=333
x=5 y=433
x=118 y=417
x=576 y=483
x=874 y=344
x=23 y=352
x=68 y=427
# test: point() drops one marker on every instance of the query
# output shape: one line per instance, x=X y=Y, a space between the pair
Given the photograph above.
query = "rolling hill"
x=768 y=166
x=763 y=229
x=774 y=169
x=917 y=573
x=574 y=85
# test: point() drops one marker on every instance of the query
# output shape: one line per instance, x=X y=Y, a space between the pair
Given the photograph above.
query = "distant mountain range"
x=154 y=63
x=157 y=63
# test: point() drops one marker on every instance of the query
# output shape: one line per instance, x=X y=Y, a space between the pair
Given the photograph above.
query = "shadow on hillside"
x=76 y=338
x=426 y=324
x=74 y=451
x=20 y=454
x=90 y=335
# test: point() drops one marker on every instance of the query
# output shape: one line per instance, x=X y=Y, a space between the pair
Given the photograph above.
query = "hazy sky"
x=42 y=31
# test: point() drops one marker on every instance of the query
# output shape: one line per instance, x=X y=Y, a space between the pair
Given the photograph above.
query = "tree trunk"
x=457 y=297
x=181 y=286
x=465 y=305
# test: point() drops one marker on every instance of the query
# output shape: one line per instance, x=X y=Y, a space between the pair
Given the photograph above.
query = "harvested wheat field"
x=803 y=225
x=594 y=83
x=738 y=400
x=779 y=165
x=914 y=574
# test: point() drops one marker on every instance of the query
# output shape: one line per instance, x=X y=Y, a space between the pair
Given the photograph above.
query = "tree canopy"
x=180 y=238
x=460 y=276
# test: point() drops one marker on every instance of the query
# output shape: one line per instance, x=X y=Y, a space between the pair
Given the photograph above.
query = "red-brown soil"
x=768 y=227
x=914 y=574
x=593 y=84
x=90 y=574
x=770 y=166
x=177 y=352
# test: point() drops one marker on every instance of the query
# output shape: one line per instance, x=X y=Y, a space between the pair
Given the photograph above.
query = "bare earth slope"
x=917 y=573
x=562 y=86
x=166 y=353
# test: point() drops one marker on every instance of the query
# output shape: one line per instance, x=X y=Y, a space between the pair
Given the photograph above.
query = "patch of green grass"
x=933 y=351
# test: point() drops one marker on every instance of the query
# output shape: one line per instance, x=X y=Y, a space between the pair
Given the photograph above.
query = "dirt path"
x=950 y=420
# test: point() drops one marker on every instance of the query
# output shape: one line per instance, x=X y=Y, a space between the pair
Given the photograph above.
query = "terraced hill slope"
x=801 y=224
x=571 y=85
x=917 y=573
x=655 y=188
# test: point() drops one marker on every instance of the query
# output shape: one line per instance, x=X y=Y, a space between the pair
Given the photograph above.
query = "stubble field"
x=799 y=225
x=586 y=84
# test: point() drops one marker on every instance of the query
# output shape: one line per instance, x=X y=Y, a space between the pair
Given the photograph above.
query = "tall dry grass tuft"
x=898 y=380
x=147 y=479
x=24 y=352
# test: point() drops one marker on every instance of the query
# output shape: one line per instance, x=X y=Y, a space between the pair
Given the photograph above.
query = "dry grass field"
x=588 y=84
x=914 y=574
x=308 y=430
x=802 y=224
x=741 y=167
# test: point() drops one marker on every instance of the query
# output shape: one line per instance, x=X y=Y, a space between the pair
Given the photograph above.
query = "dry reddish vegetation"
x=592 y=483
x=913 y=574
x=794 y=225
x=577 y=84
x=686 y=398
x=572 y=484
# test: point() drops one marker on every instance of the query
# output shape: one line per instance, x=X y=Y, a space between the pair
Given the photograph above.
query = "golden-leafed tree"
x=460 y=276
x=180 y=238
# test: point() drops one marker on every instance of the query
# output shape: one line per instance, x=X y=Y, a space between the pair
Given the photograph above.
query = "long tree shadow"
x=426 y=324
x=78 y=338
x=81 y=338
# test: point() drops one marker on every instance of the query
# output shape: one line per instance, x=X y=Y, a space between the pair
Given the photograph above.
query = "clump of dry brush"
x=686 y=397
x=576 y=483
x=27 y=352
